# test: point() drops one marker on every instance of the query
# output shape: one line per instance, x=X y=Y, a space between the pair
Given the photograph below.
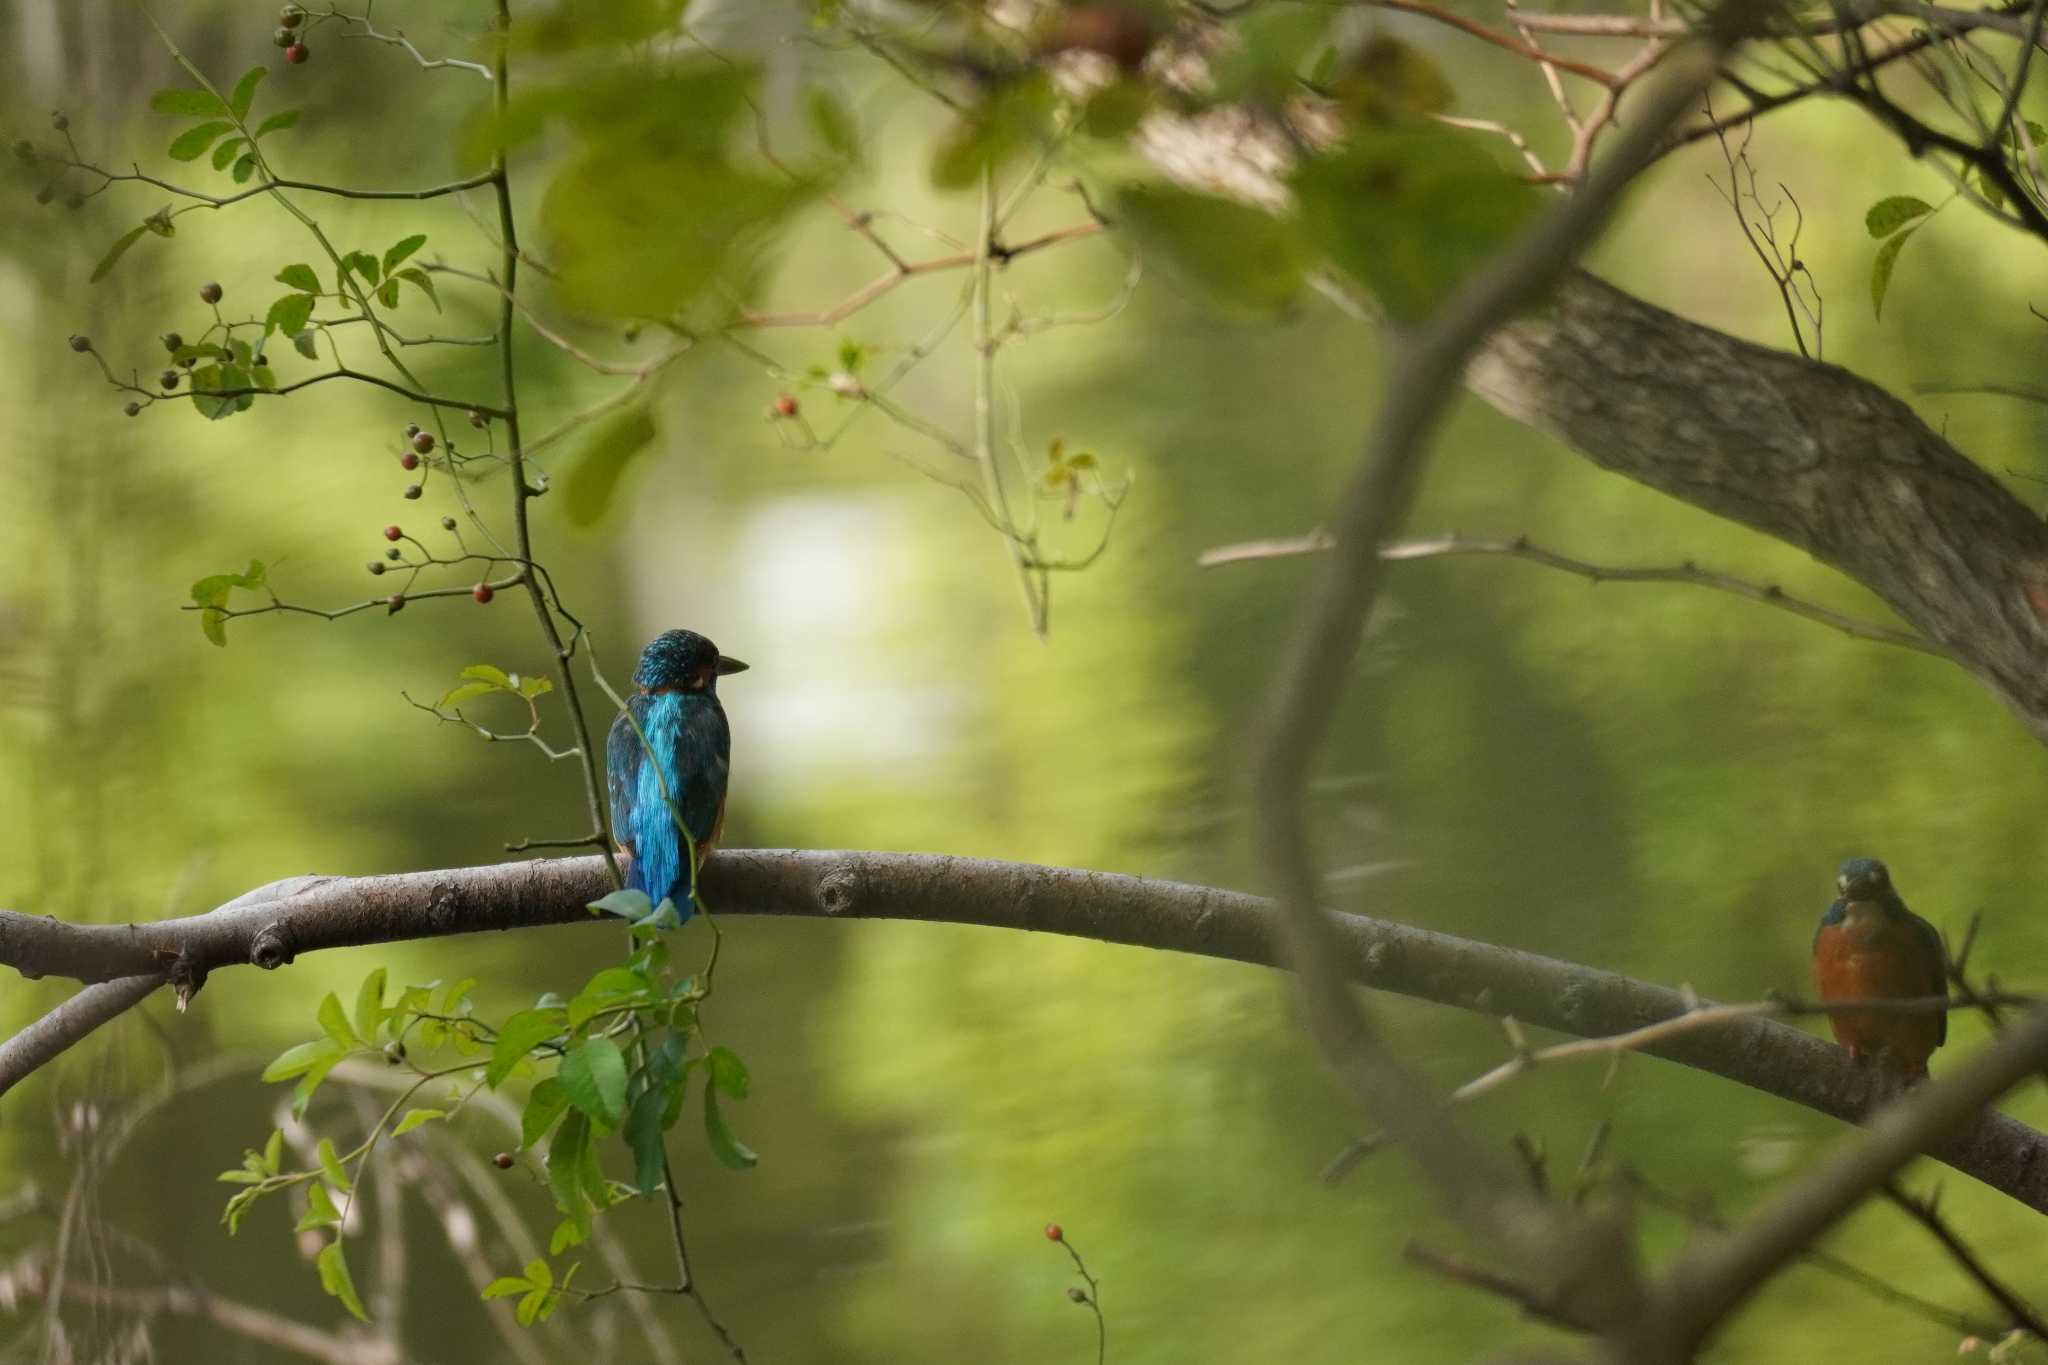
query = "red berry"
x=409 y=460
x=423 y=441
x=483 y=594
x=786 y=405
x=296 y=53
x=503 y=1161
x=393 y=533
x=209 y=292
x=1053 y=1233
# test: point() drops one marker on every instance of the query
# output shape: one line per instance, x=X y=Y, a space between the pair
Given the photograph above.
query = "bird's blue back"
x=691 y=745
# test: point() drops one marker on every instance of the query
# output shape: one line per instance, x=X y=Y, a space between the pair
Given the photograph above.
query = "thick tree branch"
x=1803 y=451
x=42 y=1041
x=312 y=913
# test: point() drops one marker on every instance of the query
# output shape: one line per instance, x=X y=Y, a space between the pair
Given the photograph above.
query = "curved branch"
x=42 y=1041
x=311 y=913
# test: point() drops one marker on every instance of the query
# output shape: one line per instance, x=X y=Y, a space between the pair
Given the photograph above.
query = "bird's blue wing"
x=690 y=744
x=703 y=758
x=623 y=754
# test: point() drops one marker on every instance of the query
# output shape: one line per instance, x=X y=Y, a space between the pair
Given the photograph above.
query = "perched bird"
x=689 y=745
x=1869 y=946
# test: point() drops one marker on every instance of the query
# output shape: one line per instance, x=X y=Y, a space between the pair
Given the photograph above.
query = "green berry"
x=172 y=341
x=209 y=292
x=169 y=379
x=81 y=344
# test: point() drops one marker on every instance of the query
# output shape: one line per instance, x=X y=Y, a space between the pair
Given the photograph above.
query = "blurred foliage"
x=1655 y=781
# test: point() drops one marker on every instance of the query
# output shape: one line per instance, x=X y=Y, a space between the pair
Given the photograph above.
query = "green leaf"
x=244 y=93
x=490 y=673
x=1231 y=255
x=607 y=987
x=369 y=1013
x=115 y=252
x=191 y=144
x=225 y=152
x=463 y=692
x=244 y=168
x=403 y=248
x=612 y=443
x=298 y=1060
x=273 y=1152
x=302 y=1094
x=414 y=1118
x=277 y=122
x=1412 y=211
x=187 y=103
x=728 y=1072
x=363 y=264
x=306 y=344
x=629 y=904
x=729 y=1150
x=335 y=1279
x=209 y=381
x=240 y=1176
x=593 y=1076
x=1011 y=119
x=160 y=222
x=211 y=594
x=334 y=1020
x=387 y=293
x=330 y=1166
x=531 y=687
x=300 y=276
x=1389 y=79
x=1272 y=45
x=424 y=282
x=520 y=1034
x=568 y=1233
x=1887 y=216
x=565 y=1163
x=547 y=1103
x=1881 y=269
x=288 y=314
x=236 y=1207
x=834 y=124
x=320 y=1210
x=505 y=1286
x=643 y=1131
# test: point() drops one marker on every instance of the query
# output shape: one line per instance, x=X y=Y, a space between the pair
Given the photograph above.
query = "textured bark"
x=1800 y=450
x=310 y=913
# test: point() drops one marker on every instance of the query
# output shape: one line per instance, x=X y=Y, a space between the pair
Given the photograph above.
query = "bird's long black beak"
x=726 y=666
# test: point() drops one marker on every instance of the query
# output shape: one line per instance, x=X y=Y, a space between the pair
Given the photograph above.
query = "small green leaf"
x=225 y=152
x=335 y=1279
x=1887 y=216
x=335 y=1021
x=115 y=252
x=403 y=248
x=387 y=293
x=419 y=278
x=370 y=1014
x=298 y=1060
x=363 y=264
x=244 y=93
x=288 y=314
x=565 y=1163
x=611 y=445
x=593 y=1076
x=187 y=103
x=519 y=1036
x=729 y=1150
x=629 y=904
x=1881 y=269
x=160 y=222
x=330 y=1166
x=273 y=1152
x=414 y=1118
x=320 y=1210
x=306 y=344
x=568 y=1233
x=463 y=692
x=728 y=1072
x=505 y=1286
x=643 y=1132
x=302 y=1094
x=300 y=276
x=547 y=1103
x=532 y=687
x=236 y=1207
x=277 y=122
x=191 y=144
x=489 y=673
x=244 y=168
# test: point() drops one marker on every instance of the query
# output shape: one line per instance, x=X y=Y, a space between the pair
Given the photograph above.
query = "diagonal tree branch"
x=313 y=913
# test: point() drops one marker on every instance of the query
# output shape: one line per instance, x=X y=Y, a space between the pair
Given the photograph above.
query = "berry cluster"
x=289 y=35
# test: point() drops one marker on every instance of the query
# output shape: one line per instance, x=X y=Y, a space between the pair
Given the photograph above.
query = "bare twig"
x=1924 y=1212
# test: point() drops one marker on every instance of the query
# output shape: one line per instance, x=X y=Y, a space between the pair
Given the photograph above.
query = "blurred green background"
x=1654 y=780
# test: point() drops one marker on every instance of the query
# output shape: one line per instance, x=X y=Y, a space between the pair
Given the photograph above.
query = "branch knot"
x=271 y=948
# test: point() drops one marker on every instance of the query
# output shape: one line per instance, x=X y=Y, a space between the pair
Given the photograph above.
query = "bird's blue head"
x=682 y=661
x=1864 y=879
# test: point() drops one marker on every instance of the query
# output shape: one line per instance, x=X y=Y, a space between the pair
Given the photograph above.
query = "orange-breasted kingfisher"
x=676 y=707
x=1871 y=947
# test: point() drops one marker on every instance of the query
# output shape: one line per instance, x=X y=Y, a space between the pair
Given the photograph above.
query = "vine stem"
x=522 y=534
x=985 y=343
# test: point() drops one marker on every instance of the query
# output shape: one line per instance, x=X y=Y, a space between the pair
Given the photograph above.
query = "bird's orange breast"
x=1868 y=957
